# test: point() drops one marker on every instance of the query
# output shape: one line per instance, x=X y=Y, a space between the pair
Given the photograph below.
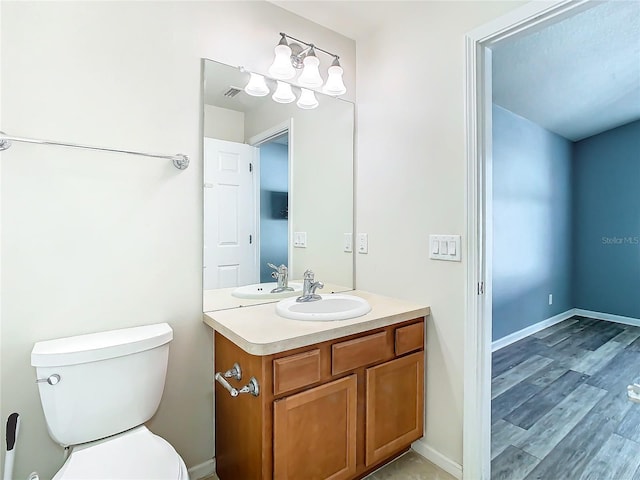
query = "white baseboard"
x=445 y=463
x=608 y=317
x=203 y=470
x=535 y=328
x=525 y=332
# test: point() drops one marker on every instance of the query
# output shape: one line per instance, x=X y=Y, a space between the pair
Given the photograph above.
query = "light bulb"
x=257 y=87
x=283 y=93
x=335 y=85
x=307 y=99
x=310 y=76
x=281 y=67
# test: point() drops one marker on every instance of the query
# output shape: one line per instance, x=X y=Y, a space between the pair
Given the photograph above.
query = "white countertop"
x=221 y=298
x=259 y=330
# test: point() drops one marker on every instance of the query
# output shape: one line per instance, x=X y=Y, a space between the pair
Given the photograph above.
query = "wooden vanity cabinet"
x=314 y=432
x=334 y=410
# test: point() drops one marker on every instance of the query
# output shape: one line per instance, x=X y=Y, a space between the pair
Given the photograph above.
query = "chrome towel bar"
x=179 y=160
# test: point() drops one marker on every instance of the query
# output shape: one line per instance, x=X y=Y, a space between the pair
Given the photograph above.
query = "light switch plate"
x=444 y=247
x=300 y=239
x=348 y=242
x=363 y=243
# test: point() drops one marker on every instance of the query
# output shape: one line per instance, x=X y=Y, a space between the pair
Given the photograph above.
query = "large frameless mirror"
x=278 y=190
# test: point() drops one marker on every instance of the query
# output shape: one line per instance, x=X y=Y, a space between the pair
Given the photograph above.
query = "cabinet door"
x=314 y=433
x=395 y=406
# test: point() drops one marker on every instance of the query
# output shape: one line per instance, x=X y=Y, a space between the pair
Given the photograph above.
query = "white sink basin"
x=332 y=307
x=259 y=291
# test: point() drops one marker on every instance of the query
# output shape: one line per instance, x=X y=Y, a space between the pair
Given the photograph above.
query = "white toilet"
x=97 y=391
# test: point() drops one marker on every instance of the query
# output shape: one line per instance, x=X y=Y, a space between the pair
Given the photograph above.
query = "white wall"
x=94 y=241
x=223 y=124
x=411 y=182
x=322 y=191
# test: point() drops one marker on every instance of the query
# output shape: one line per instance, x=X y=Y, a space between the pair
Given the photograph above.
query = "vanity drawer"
x=359 y=352
x=409 y=338
x=296 y=371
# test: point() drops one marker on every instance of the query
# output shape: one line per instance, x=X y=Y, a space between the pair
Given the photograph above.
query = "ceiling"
x=577 y=78
x=353 y=19
x=220 y=78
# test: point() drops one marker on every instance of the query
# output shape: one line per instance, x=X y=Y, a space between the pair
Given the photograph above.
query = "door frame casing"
x=478 y=213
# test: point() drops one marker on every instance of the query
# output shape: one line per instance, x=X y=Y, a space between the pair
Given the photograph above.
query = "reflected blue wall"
x=274 y=185
x=607 y=222
x=532 y=223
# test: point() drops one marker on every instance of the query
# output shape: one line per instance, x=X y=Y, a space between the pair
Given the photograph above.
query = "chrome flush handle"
x=51 y=379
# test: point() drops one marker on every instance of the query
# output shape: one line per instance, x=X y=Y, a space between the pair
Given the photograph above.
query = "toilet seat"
x=135 y=454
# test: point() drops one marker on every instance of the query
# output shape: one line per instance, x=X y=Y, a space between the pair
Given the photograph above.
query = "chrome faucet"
x=309 y=288
x=281 y=276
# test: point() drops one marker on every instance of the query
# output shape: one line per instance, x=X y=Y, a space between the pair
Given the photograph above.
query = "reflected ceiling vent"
x=232 y=92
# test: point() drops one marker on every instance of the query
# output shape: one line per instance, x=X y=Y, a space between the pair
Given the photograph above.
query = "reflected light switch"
x=300 y=239
x=444 y=250
x=452 y=247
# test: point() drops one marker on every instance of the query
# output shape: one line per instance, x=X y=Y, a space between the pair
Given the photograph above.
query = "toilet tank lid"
x=99 y=346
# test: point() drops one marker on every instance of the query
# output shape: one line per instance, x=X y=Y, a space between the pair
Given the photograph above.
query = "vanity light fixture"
x=257 y=86
x=307 y=99
x=310 y=76
x=281 y=68
x=335 y=85
x=302 y=55
x=283 y=93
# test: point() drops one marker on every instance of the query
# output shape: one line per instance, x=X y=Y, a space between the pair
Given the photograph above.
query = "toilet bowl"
x=97 y=391
x=136 y=454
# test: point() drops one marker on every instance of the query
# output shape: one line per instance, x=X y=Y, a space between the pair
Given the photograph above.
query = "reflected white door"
x=230 y=253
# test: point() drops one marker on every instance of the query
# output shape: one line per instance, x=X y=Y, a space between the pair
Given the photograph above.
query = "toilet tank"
x=108 y=382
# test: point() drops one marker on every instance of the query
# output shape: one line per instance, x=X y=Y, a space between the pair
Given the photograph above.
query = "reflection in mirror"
x=278 y=192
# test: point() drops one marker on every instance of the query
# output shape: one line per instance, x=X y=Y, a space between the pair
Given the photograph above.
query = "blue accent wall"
x=274 y=186
x=607 y=222
x=532 y=223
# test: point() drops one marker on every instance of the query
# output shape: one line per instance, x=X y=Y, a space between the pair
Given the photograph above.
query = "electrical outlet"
x=348 y=242
x=363 y=243
x=300 y=239
x=550 y=299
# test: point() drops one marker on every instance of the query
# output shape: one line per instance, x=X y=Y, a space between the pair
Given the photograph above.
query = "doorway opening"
x=273 y=204
x=480 y=278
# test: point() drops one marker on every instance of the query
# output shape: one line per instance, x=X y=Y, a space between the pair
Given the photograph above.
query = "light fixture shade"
x=335 y=85
x=257 y=87
x=281 y=67
x=307 y=99
x=283 y=93
x=310 y=76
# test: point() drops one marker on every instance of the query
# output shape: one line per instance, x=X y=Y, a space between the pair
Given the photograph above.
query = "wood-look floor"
x=409 y=466
x=559 y=407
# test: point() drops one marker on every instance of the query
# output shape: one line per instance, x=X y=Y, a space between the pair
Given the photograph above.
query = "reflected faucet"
x=309 y=288
x=281 y=276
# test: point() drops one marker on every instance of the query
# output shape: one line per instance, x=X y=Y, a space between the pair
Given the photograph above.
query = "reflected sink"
x=259 y=291
x=331 y=307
